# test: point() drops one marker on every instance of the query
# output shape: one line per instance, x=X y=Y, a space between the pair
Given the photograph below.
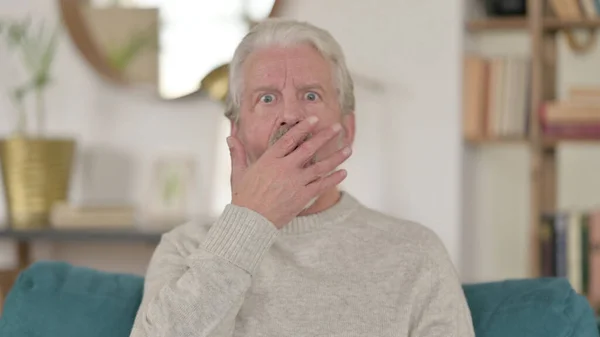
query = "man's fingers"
x=321 y=184
x=327 y=165
x=238 y=157
x=308 y=149
x=293 y=137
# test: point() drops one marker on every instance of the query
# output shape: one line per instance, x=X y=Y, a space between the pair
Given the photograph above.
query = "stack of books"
x=569 y=242
x=67 y=216
x=577 y=116
x=496 y=96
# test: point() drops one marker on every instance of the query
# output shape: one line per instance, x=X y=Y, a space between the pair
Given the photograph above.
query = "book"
x=495 y=96
x=560 y=244
x=574 y=257
x=577 y=116
x=591 y=131
x=572 y=113
x=474 y=95
x=584 y=94
x=569 y=243
x=547 y=239
x=585 y=253
x=66 y=216
x=593 y=293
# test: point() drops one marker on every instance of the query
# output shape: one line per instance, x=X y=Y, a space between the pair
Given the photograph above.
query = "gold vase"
x=36 y=173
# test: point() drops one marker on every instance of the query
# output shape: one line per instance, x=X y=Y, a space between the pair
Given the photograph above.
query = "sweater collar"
x=334 y=214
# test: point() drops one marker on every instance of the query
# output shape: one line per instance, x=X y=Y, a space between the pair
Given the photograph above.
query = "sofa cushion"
x=529 y=308
x=55 y=299
x=52 y=299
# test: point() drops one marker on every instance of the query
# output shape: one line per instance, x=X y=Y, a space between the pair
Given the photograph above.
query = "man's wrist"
x=241 y=236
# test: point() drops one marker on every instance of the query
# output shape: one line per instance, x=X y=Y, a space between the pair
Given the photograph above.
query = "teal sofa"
x=52 y=299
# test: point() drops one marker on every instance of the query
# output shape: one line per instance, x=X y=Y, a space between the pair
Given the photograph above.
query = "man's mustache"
x=281 y=132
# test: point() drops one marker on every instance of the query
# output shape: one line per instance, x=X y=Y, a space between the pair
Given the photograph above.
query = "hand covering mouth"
x=282 y=131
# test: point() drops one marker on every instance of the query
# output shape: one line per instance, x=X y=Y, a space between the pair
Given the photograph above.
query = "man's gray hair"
x=284 y=33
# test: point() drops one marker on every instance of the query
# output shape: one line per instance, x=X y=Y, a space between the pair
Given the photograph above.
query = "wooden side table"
x=24 y=238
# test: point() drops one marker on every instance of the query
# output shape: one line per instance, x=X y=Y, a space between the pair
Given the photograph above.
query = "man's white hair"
x=285 y=33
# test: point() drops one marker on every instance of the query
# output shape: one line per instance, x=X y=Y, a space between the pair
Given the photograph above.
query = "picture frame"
x=172 y=182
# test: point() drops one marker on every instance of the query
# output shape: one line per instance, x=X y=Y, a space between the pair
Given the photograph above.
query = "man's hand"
x=280 y=184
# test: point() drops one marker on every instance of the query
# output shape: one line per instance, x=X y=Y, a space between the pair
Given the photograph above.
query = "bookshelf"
x=497 y=24
x=542 y=27
x=553 y=24
x=520 y=23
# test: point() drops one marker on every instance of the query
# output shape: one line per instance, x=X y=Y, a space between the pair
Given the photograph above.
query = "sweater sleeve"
x=199 y=293
x=441 y=308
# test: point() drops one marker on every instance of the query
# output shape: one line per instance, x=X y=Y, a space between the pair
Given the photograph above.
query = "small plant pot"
x=36 y=173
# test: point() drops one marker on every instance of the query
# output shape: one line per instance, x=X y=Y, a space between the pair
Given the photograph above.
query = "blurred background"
x=479 y=119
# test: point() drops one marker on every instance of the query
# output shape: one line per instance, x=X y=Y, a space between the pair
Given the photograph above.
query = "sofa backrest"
x=58 y=299
x=530 y=307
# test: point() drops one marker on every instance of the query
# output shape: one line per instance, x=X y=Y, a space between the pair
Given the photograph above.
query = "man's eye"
x=268 y=98
x=311 y=96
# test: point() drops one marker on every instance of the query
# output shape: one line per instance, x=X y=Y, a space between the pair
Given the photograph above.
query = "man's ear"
x=349 y=128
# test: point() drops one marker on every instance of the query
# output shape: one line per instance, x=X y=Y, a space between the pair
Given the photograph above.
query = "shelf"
x=548 y=142
x=111 y=235
x=553 y=24
x=510 y=140
x=553 y=141
x=521 y=23
x=508 y=23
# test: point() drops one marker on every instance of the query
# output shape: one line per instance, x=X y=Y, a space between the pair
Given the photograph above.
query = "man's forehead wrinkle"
x=262 y=73
x=296 y=75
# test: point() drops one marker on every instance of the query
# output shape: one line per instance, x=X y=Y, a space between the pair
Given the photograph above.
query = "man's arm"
x=199 y=293
x=441 y=310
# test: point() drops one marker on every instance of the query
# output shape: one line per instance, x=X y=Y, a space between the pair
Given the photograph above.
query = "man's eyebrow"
x=264 y=88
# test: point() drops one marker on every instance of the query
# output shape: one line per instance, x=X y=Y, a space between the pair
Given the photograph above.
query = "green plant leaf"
x=17 y=32
x=37 y=49
x=48 y=55
x=121 y=56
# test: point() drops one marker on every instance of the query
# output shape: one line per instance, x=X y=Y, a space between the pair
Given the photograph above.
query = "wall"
x=579 y=164
x=407 y=153
x=414 y=48
x=496 y=176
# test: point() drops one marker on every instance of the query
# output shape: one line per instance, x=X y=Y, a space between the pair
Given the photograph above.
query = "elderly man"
x=292 y=255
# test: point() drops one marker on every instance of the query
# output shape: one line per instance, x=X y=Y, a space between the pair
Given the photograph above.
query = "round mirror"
x=175 y=47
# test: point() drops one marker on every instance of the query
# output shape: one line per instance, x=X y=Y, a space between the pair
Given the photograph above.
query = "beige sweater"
x=348 y=271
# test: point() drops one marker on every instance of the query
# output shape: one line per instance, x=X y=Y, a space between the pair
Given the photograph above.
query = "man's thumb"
x=238 y=156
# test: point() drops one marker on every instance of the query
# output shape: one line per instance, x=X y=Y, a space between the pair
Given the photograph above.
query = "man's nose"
x=292 y=114
x=289 y=124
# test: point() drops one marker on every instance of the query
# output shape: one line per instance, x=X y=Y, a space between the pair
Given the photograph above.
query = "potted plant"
x=36 y=168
